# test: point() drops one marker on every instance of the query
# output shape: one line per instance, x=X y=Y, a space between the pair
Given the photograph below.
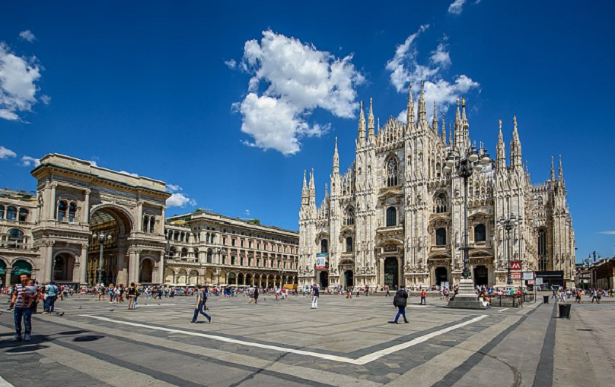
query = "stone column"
x=52 y=202
x=133 y=266
x=86 y=207
x=47 y=259
x=161 y=268
x=83 y=264
x=122 y=275
x=139 y=216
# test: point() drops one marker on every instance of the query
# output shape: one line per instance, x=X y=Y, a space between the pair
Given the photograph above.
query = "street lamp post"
x=508 y=224
x=465 y=165
x=102 y=237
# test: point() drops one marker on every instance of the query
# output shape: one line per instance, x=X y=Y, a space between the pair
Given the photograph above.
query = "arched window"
x=145 y=220
x=23 y=215
x=349 y=245
x=72 y=210
x=441 y=237
x=349 y=218
x=209 y=256
x=15 y=238
x=440 y=203
x=62 y=208
x=391 y=217
x=324 y=246
x=480 y=233
x=1 y=212
x=152 y=224
x=392 y=171
x=11 y=213
x=184 y=252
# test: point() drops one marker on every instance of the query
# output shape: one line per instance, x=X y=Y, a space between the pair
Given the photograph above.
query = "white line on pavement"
x=501 y=310
x=360 y=361
x=4 y=383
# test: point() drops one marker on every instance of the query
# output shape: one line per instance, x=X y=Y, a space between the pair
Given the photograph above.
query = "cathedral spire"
x=370 y=121
x=326 y=191
x=361 y=126
x=312 y=184
x=443 y=130
x=336 y=160
x=304 y=180
x=561 y=170
x=463 y=110
x=434 y=120
x=552 y=170
x=410 y=111
x=422 y=107
x=450 y=135
x=516 y=160
x=501 y=150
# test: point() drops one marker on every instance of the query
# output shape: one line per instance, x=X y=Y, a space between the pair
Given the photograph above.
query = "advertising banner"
x=515 y=275
x=321 y=261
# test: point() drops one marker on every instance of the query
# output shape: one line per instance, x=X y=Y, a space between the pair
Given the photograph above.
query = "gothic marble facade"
x=396 y=216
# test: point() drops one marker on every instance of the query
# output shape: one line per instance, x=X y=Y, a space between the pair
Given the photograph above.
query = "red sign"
x=530 y=282
x=515 y=265
x=515 y=276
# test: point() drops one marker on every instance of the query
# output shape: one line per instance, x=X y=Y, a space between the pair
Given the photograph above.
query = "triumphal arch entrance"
x=97 y=225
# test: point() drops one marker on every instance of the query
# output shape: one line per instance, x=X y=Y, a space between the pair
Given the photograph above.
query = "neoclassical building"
x=396 y=216
x=206 y=247
x=86 y=224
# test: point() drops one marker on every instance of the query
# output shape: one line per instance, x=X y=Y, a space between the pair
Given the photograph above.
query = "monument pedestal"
x=466 y=298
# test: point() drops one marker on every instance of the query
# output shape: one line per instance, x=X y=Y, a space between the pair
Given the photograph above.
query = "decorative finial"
x=500 y=121
x=463 y=102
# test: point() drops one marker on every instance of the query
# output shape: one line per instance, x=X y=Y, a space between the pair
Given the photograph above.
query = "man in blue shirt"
x=315 y=294
x=52 y=294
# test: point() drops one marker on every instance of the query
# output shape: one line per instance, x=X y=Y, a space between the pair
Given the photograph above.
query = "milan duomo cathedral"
x=396 y=216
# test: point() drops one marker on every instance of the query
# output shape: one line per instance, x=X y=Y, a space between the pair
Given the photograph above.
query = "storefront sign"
x=321 y=261
x=515 y=275
x=528 y=275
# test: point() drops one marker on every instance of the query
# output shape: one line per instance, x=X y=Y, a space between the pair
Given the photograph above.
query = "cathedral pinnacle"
x=561 y=170
x=463 y=110
x=434 y=121
x=361 y=125
x=552 y=170
x=443 y=130
x=370 y=120
x=336 y=160
x=410 y=111
x=501 y=149
x=304 y=180
x=422 y=107
x=457 y=113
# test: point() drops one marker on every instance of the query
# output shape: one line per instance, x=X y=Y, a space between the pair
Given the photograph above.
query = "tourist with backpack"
x=400 y=301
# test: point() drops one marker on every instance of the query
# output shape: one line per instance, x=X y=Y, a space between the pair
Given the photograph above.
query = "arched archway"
x=232 y=279
x=147 y=269
x=481 y=275
x=240 y=279
x=111 y=227
x=324 y=279
x=348 y=279
x=194 y=277
x=182 y=277
x=63 y=266
x=249 y=280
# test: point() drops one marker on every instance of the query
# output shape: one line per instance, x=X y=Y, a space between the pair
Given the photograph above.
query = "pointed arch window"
x=392 y=172
x=391 y=217
x=324 y=246
x=440 y=203
x=349 y=218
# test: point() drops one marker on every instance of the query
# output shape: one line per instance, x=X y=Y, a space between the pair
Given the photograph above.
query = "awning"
x=21 y=267
x=2 y=268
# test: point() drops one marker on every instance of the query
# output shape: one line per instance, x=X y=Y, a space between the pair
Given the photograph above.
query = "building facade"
x=396 y=216
x=86 y=224
x=205 y=247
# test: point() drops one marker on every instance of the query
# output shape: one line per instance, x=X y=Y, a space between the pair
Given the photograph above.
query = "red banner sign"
x=515 y=276
x=515 y=265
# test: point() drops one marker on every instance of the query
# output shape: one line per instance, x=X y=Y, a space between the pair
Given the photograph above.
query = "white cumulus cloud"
x=27 y=35
x=129 y=173
x=607 y=232
x=173 y=188
x=28 y=161
x=18 y=76
x=456 y=7
x=406 y=69
x=297 y=78
x=180 y=200
x=231 y=64
x=6 y=153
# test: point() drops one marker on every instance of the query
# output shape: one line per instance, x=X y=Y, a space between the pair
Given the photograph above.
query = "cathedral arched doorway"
x=348 y=278
x=324 y=279
x=441 y=274
x=481 y=275
x=391 y=272
x=110 y=227
x=63 y=265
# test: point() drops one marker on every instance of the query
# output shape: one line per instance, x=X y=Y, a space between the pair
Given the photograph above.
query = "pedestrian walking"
x=21 y=300
x=315 y=294
x=52 y=292
x=201 y=300
x=132 y=296
x=400 y=301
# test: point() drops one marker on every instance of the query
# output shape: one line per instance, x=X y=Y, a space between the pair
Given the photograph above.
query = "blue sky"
x=197 y=93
